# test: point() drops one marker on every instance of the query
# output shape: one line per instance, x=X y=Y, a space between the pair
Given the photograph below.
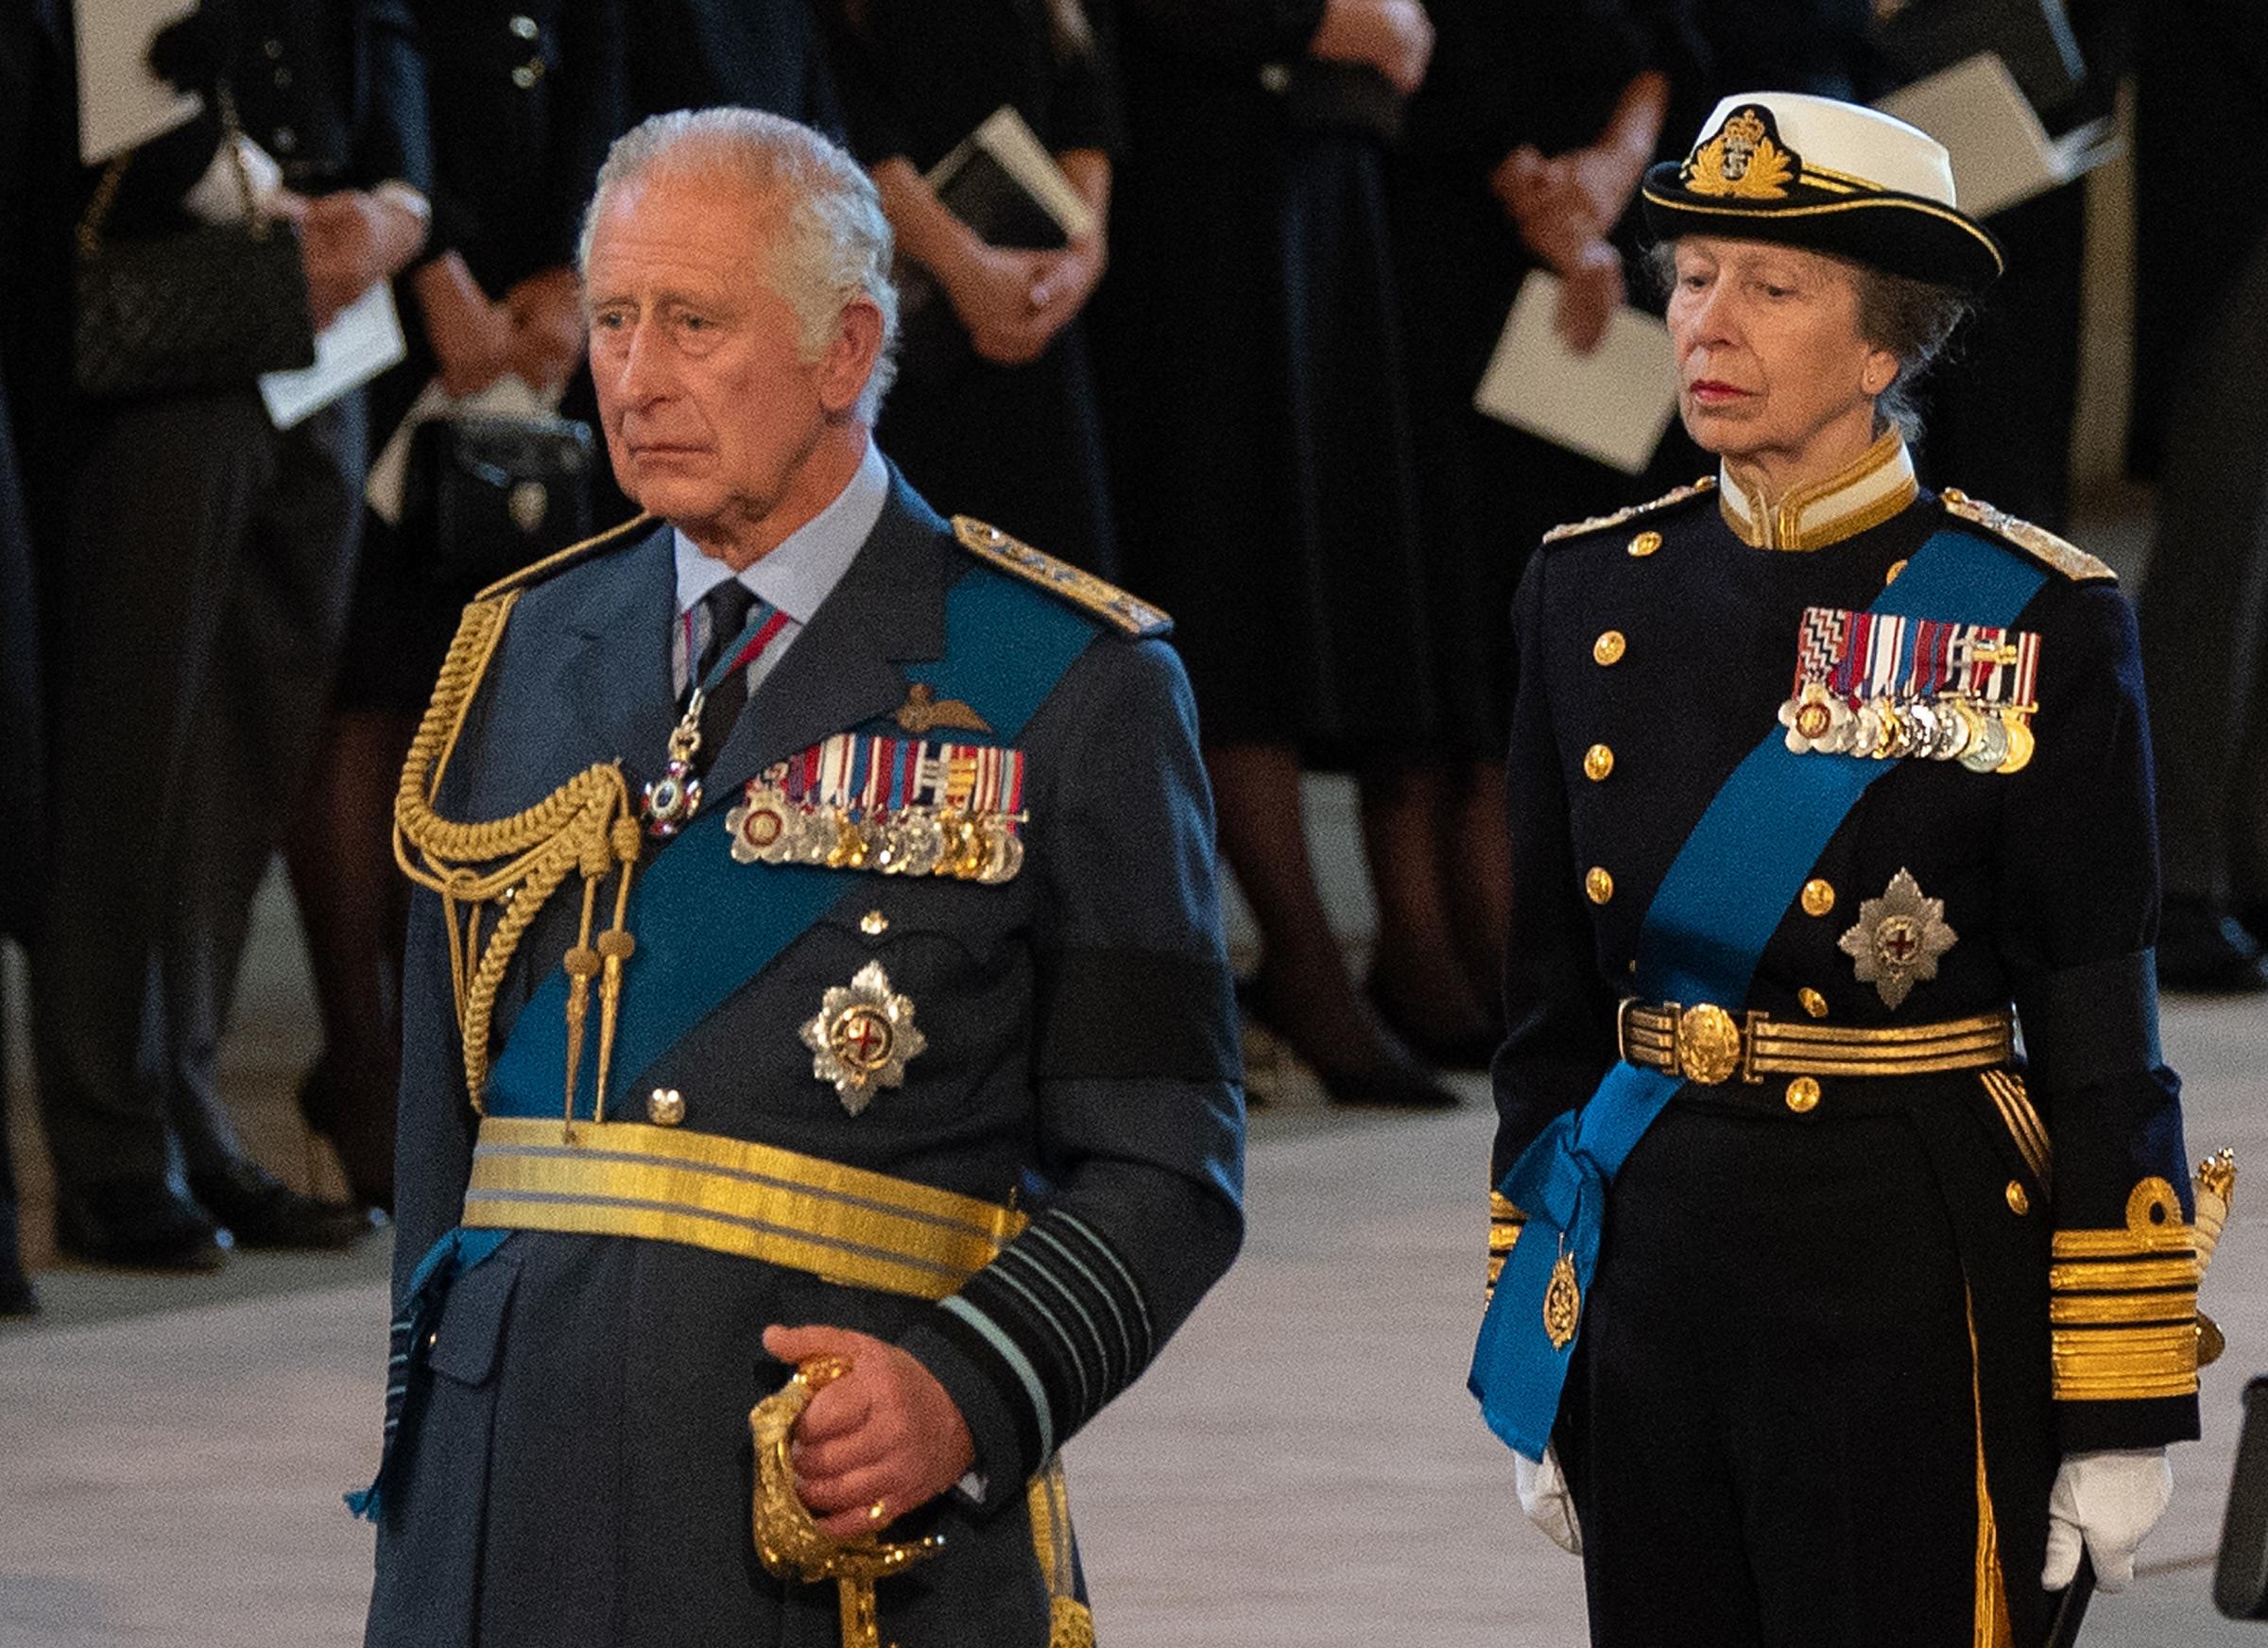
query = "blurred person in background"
x=997 y=412
x=1250 y=355
x=1514 y=160
x=521 y=98
x=39 y=128
x=204 y=590
x=2201 y=349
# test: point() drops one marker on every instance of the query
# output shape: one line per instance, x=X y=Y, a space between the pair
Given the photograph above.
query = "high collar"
x=1866 y=494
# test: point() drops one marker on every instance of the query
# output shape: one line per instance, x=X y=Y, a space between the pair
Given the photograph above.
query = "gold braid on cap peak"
x=585 y=825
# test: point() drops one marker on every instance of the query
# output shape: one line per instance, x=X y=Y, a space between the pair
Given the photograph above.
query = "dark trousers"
x=1771 y=1428
x=211 y=558
x=2205 y=610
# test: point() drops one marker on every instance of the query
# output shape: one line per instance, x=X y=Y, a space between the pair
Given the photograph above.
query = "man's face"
x=709 y=411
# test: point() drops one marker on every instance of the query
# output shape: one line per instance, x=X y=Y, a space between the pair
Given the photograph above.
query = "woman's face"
x=1771 y=369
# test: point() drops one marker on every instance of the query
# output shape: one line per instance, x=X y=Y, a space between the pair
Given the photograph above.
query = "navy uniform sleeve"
x=1559 y=1011
x=394 y=142
x=1085 y=110
x=2078 y=898
x=1139 y=1105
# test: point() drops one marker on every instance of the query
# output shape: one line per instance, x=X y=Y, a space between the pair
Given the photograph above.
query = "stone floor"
x=1302 y=1465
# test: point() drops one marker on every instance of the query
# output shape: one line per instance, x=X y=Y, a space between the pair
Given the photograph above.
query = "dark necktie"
x=728 y=607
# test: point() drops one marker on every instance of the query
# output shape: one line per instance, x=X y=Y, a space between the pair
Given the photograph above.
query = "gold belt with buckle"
x=756 y=1201
x=1707 y=1044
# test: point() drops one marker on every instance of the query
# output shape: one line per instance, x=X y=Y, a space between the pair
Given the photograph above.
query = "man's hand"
x=472 y=338
x=2110 y=1500
x=350 y=240
x=547 y=327
x=882 y=1441
x=1395 y=37
x=1544 y=1497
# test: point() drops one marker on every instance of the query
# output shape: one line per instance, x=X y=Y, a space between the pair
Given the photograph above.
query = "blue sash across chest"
x=706 y=925
x=1723 y=898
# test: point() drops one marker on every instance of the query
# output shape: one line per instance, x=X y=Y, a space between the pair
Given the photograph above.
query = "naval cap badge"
x=1899 y=938
x=861 y=1036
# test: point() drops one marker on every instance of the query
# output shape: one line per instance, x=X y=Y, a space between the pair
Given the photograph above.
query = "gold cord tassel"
x=514 y=864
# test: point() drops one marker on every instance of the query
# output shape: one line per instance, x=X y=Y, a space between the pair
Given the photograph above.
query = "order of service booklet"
x=1612 y=404
x=2002 y=153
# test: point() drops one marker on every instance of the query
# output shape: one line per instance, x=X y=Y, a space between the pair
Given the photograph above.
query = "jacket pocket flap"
x=471 y=1326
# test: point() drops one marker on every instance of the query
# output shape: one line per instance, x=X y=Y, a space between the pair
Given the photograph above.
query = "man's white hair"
x=830 y=241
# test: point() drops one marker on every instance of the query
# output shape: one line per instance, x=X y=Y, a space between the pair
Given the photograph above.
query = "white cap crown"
x=1858 y=143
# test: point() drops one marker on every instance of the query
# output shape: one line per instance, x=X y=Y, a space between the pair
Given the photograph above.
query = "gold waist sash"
x=1707 y=1044
x=626 y=1178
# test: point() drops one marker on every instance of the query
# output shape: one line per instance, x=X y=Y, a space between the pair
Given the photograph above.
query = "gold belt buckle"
x=1709 y=1043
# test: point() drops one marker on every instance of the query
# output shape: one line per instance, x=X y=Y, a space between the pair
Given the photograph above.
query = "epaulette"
x=559 y=561
x=1700 y=488
x=1083 y=590
x=2036 y=541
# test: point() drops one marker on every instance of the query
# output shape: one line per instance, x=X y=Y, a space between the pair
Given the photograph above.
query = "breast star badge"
x=861 y=1036
x=1899 y=938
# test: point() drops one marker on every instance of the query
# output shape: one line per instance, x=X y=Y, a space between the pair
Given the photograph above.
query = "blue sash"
x=706 y=925
x=1716 y=909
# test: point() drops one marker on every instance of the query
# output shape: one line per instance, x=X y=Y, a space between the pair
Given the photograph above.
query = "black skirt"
x=1252 y=369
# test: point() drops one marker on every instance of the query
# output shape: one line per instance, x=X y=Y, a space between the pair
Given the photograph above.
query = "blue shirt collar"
x=807 y=564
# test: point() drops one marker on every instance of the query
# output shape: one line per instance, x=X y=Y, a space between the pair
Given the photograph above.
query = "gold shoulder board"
x=2036 y=541
x=559 y=561
x=1705 y=485
x=1110 y=603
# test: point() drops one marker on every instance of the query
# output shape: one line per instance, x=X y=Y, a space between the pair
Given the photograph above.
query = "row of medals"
x=768 y=828
x=1982 y=738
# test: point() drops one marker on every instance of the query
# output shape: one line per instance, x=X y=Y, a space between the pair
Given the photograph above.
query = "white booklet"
x=2002 y=154
x=1612 y=404
x=120 y=102
x=362 y=340
x=964 y=182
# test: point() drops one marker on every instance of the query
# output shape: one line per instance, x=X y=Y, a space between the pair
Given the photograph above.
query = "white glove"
x=2111 y=1499
x=1543 y=1495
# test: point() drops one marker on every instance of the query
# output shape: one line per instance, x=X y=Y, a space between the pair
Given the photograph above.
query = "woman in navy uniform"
x=1816 y=776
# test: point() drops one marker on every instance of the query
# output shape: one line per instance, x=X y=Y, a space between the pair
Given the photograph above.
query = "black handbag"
x=485 y=496
x=207 y=307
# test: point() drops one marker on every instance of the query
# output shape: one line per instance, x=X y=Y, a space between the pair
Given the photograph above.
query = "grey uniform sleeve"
x=1138 y=1107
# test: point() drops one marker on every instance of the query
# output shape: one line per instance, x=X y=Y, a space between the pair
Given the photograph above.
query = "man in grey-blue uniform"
x=819 y=962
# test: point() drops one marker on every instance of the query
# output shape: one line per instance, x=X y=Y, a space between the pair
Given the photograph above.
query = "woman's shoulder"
x=1663 y=507
x=2065 y=560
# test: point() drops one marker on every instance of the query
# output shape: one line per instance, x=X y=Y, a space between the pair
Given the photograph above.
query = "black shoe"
x=355 y=1114
x=261 y=1211
x=1472 y=1049
x=1399 y=1083
x=2201 y=950
x=17 y=1295
x=142 y=1223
